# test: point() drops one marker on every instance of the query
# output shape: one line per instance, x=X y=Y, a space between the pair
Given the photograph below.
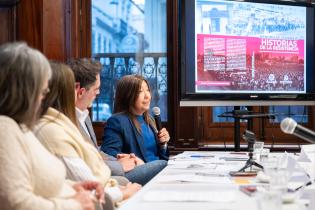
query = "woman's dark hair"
x=127 y=92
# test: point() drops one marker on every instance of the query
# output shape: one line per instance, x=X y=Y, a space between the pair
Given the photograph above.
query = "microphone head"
x=288 y=125
x=156 y=111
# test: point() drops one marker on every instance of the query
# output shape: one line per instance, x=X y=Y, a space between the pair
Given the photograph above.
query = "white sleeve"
x=77 y=169
x=115 y=193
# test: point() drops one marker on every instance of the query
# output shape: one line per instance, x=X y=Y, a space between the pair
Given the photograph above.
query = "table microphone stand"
x=250 y=162
x=251 y=139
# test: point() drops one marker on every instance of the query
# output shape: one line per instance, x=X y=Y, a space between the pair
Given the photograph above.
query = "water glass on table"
x=258 y=148
x=269 y=200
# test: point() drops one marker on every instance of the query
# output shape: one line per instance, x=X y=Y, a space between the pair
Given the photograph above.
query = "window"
x=215 y=25
x=129 y=37
x=218 y=110
x=298 y=113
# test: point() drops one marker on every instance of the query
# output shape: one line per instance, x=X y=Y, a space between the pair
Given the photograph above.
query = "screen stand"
x=237 y=130
x=239 y=115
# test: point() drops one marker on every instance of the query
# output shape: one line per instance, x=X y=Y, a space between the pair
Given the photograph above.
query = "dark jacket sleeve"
x=112 y=138
x=163 y=153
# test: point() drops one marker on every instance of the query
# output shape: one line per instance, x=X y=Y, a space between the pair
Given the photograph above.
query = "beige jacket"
x=61 y=137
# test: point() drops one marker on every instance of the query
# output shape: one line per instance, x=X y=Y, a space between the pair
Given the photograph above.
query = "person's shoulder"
x=46 y=126
x=119 y=116
x=7 y=120
x=8 y=123
x=119 y=120
x=10 y=131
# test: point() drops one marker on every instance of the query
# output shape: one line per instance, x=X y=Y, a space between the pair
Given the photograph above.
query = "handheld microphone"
x=157 y=117
x=290 y=126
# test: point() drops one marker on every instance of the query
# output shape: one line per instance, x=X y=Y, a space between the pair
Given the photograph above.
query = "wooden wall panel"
x=86 y=30
x=79 y=26
x=44 y=24
x=186 y=129
x=73 y=24
x=7 y=24
x=30 y=23
x=54 y=29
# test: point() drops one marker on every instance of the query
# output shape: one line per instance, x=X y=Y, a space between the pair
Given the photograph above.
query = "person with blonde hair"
x=30 y=176
x=58 y=131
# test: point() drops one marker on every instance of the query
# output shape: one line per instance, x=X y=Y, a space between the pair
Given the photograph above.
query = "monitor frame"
x=187 y=98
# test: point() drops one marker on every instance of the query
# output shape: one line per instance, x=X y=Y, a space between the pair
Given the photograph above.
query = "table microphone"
x=157 y=117
x=290 y=126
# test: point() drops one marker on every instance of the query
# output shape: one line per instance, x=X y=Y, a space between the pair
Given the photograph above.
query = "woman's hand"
x=128 y=163
x=163 y=136
x=84 y=198
x=129 y=190
x=138 y=161
x=95 y=190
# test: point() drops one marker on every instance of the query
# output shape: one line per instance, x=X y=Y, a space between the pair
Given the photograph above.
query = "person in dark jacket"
x=131 y=129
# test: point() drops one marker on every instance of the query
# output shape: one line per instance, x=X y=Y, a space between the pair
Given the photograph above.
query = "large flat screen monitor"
x=246 y=53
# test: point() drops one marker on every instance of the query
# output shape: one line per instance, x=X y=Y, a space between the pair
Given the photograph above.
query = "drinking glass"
x=258 y=147
x=269 y=200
